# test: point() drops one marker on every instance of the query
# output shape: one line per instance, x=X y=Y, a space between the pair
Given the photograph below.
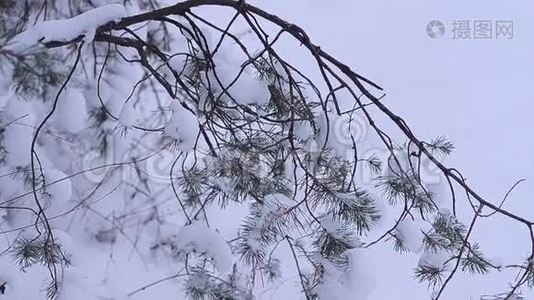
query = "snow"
x=274 y=206
x=63 y=239
x=116 y=88
x=71 y=112
x=246 y=89
x=59 y=188
x=357 y=280
x=436 y=259
x=331 y=225
x=206 y=240
x=16 y=108
x=335 y=131
x=68 y=29
x=3 y=101
x=18 y=142
x=127 y=116
x=411 y=235
x=225 y=184
x=182 y=126
x=19 y=285
x=303 y=130
x=19 y=134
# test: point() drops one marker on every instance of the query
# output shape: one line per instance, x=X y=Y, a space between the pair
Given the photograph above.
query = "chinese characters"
x=473 y=30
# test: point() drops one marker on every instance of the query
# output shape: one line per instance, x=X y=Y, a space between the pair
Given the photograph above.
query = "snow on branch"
x=199 y=238
x=66 y=30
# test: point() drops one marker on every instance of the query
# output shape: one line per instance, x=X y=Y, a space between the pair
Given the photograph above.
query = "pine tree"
x=212 y=118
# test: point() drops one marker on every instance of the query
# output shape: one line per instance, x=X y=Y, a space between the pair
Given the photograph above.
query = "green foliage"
x=447 y=233
x=374 y=163
x=5 y=4
x=201 y=285
x=3 y=151
x=332 y=245
x=474 y=262
x=530 y=272
x=97 y=118
x=194 y=184
x=402 y=187
x=356 y=208
x=398 y=245
x=432 y=275
x=28 y=252
x=440 y=145
x=34 y=74
x=271 y=270
x=266 y=225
